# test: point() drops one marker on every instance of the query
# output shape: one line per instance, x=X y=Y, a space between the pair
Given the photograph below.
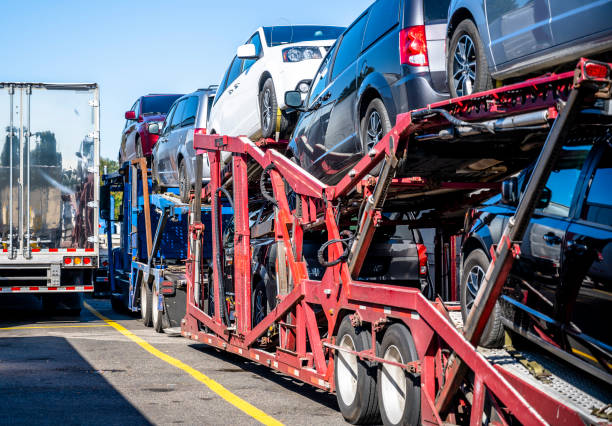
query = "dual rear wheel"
x=367 y=392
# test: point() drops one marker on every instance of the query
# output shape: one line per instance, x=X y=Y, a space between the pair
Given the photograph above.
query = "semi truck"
x=49 y=188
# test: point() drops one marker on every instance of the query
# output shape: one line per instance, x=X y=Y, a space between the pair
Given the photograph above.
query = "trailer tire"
x=399 y=392
x=145 y=304
x=157 y=316
x=474 y=268
x=355 y=379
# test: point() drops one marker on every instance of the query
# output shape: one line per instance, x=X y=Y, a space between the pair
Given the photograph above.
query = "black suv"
x=559 y=294
x=389 y=61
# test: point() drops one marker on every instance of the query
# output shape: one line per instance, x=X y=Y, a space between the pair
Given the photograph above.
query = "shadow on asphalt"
x=304 y=389
x=44 y=380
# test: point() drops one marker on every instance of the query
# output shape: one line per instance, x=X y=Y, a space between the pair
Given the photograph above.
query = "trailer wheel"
x=399 y=392
x=157 y=316
x=145 y=304
x=355 y=379
x=474 y=270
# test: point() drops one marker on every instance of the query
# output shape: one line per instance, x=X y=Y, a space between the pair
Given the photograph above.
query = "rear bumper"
x=416 y=91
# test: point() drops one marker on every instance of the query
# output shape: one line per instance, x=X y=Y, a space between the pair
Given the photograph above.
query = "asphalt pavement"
x=87 y=371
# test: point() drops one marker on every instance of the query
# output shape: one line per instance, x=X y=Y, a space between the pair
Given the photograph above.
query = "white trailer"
x=49 y=189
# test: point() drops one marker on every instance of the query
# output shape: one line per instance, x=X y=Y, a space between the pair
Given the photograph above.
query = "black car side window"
x=190 y=111
x=320 y=81
x=350 y=47
x=256 y=40
x=598 y=205
x=563 y=180
x=383 y=17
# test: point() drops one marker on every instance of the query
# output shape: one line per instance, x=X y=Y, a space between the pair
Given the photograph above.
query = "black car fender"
x=374 y=85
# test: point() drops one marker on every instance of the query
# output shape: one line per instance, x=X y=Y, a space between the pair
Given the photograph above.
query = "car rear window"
x=158 y=104
x=436 y=11
x=383 y=16
x=275 y=36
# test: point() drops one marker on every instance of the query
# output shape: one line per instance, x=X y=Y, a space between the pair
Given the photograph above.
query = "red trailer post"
x=338 y=332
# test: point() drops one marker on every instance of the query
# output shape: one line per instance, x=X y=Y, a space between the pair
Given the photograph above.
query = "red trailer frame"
x=309 y=312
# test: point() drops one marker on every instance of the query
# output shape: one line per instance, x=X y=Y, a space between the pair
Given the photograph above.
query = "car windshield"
x=158 y=104
x=275 y=36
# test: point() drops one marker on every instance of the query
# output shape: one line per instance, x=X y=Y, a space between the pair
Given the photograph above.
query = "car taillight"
x=422 y=251
x=199 y=131
x=105 y=263
x=413 y=46
x=595 y=70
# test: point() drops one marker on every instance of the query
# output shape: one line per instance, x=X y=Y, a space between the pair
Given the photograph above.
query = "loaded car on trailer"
x=49 y=191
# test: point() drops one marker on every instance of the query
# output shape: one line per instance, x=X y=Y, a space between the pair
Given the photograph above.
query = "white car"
x=251 y=97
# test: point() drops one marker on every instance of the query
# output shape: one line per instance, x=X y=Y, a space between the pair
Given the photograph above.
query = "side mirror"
x=130 y=115
x=246 y=51
x=154 y=128
x=293 y=99
x=545 y=197
x=510 y=193
x=105 y=201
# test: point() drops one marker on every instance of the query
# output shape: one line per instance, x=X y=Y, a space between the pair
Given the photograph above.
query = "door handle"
x=577 y=246
x=552 y=239
x=326 y=96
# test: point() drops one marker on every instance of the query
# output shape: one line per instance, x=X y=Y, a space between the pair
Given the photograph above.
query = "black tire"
x=357 y=399
x=184 y=183
x=399 y=393
x=259 y=303
x=474 y=268
x=139 y=151
x=268 y=112
x=294 y=200
x=375 y=124
x=157 y=316
x=145 y=304
x=467 y=62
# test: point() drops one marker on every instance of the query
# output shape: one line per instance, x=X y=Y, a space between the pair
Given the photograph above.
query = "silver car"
x=502 y=39
x=173 y=155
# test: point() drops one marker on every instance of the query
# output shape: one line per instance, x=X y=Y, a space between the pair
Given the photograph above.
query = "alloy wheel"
x=374 y=130
x=267 y=109
x=475 y=278
x=464 y=66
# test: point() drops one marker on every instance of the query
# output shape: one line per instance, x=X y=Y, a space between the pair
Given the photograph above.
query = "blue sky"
x=136 y=47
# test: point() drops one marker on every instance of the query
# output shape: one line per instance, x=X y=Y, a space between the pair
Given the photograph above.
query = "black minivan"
x=389 y=61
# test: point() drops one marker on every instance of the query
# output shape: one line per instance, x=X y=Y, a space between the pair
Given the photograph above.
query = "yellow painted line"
x=214 y=386
x=54 y=326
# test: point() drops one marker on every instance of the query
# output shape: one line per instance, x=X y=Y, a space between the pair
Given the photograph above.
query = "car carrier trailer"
x=48 y=190
x=147 y=271
x=385 y=349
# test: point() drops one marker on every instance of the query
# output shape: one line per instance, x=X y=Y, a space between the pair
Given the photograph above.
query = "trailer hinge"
x=92 y=239
x=92 y=204
x=93 y=103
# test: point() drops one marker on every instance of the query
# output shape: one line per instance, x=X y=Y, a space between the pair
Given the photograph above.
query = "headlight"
x=301 y=53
